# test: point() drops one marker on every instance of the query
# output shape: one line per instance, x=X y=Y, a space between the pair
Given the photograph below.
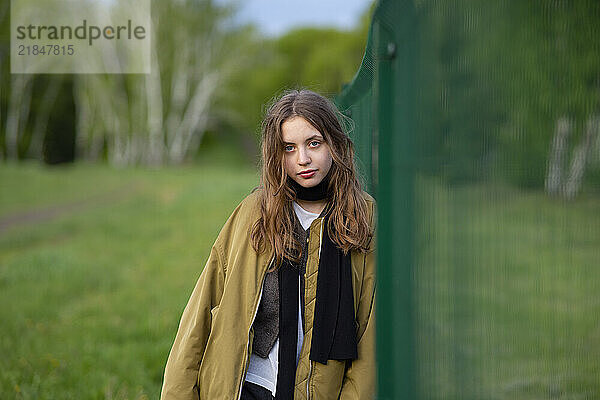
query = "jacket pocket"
x=213 y=314
x=326 y=380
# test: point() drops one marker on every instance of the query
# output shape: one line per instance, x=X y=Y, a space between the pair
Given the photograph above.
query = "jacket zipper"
x=308 y=380
x=252 y=323
x=309 y=361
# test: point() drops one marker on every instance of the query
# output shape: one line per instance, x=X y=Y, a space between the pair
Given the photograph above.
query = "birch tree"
x=565 y=178
x=158 y=118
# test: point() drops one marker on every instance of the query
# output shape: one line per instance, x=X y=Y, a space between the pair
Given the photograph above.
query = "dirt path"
x=52 y=212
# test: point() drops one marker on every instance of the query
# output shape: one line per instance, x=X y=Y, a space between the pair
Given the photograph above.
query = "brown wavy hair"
x=348 y=224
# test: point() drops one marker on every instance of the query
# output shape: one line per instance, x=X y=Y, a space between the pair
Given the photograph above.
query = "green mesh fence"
x=477 y=125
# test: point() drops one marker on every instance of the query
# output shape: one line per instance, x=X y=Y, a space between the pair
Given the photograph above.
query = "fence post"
x=394 y=43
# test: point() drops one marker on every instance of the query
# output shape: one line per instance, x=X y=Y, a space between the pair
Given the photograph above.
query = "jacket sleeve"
x=360 y=379
x=181 y=372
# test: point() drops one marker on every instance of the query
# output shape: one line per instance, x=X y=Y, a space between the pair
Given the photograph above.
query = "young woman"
x=284 y=308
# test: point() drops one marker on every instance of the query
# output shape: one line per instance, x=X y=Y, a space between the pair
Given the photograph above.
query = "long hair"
x=348 y=224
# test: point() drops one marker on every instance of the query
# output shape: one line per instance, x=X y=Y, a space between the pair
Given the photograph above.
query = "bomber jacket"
x=210 y=354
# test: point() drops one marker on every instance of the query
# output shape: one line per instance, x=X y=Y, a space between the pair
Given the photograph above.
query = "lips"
x=309 y=173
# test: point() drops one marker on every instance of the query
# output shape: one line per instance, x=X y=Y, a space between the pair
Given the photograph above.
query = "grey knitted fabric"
x=266 y=323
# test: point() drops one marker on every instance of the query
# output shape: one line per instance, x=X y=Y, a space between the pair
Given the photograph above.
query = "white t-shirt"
x=263 y=371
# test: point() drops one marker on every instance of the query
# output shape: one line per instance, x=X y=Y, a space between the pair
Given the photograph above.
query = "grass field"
x=96 y=265
x=91 y=294
x=508 y=294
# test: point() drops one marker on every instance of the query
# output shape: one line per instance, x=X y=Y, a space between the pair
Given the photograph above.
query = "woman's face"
x=307 y=157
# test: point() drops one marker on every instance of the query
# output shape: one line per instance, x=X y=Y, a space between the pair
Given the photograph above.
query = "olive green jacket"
x=209 y=357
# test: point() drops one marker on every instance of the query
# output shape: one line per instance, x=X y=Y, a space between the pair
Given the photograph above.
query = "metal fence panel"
x=477 y=125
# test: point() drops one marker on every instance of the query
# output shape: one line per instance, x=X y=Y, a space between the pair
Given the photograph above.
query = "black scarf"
x=315 y=193
x=334 y=326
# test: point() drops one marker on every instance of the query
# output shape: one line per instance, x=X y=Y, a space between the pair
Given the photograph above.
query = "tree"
x=500 y=81
x=159 y=118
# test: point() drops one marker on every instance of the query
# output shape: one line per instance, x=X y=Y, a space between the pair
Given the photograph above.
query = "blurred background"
x=214 y=65
x=477 y=126
x=114 y=187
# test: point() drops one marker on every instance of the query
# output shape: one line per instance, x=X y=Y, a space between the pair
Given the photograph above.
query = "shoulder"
x=235 y=233
x=249 y=207
x=371 y=207
x=372 y=219
x=242 y=217
x=368 y=198
x=252 y=200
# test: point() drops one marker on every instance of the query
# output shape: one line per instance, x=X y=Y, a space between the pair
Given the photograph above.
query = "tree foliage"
x=496 y=77
x=322 y=59
x=208 y=75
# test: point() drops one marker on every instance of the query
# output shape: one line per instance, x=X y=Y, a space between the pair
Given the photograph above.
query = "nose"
x=303 y=157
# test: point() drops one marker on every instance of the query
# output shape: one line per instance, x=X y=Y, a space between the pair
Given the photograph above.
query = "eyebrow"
x=313 y=137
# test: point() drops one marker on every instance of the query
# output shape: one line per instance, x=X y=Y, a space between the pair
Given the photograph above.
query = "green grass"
x=507 y=283
x=91 y=298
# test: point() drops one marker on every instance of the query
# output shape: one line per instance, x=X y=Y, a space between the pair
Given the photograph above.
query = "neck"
x=312 y=206
x=314 y=197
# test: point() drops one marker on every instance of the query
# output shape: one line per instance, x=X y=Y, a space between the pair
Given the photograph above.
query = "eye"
x=288 y=147
x=314 y=143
